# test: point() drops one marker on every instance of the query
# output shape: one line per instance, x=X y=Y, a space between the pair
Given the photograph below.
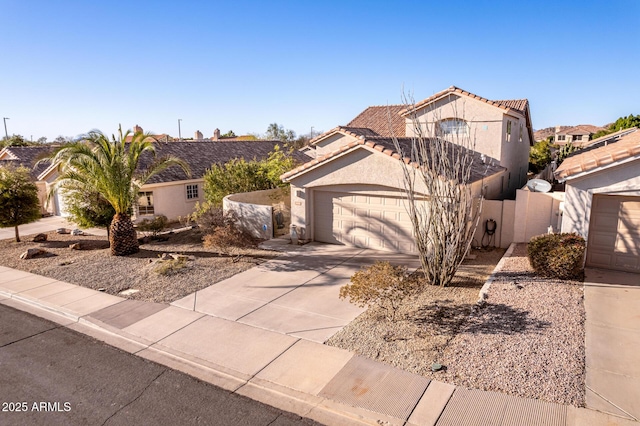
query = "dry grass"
x=95 y=268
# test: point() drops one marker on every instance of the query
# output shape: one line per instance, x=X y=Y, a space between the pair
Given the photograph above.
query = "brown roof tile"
x=382 y=120
x=599 y=156
x=581 y=129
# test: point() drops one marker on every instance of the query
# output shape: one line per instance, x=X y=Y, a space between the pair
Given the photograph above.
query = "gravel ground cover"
x=527 y=340
x=95 y=268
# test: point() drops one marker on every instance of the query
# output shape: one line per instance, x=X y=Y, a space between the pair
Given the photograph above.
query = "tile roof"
x=581 y=129
x=599 y=156
x=611 y=137
x=27 y=156
x=200 y=155
x=519 y=105
x=382 y=120
x=385 y=145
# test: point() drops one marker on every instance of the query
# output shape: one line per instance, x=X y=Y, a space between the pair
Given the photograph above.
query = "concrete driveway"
x=46 y=224
x=295 y=294
x=612 y=304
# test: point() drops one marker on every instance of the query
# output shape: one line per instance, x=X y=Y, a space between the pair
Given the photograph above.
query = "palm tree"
x=96 y=164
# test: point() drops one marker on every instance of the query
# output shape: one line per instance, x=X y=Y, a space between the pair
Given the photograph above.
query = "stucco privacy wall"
x=620 y=180
x=535 y=212
x=254 y=210
x=170 y=199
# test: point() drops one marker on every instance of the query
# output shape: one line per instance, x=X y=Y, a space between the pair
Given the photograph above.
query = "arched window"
x=454 y=126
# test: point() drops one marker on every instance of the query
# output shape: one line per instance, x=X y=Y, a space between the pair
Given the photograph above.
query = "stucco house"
x=602 y=201
x=351 y=192
x=171 y=193
x=27 y=156
x=576 y=135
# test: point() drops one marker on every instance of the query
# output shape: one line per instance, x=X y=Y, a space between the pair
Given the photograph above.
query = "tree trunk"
x=17 y=234
x=123 y=238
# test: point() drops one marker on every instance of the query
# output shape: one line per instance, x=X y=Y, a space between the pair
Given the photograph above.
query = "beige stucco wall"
x=487 y=133
x=535 y=212
x=619 y=180
x=360 y=170
x=42 y=196
x=170 y=199
x=255 y=211
x=332 y=143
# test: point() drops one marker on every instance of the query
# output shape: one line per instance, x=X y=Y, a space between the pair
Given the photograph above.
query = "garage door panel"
x=606 y=222
x=614 y=233
x=362 y=220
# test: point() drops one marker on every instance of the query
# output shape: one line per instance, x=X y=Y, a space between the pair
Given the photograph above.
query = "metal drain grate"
x=474 y=407
x=377 y=387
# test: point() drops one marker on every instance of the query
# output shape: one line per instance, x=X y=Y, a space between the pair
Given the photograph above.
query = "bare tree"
x=438 y=162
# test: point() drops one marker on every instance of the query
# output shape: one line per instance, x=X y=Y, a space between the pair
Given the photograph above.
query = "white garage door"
x=361 y=220
x=614 y=233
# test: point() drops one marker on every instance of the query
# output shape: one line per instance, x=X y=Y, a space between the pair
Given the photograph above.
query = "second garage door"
x=614 y=233
x=361 y=220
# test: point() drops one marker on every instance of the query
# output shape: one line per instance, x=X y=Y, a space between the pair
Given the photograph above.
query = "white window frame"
x=192 y=191
x=454 y=126
x=148 y=208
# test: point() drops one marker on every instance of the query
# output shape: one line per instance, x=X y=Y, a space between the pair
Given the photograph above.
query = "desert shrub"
x=208 y=217
x=557 y=255
x=380 y=284
x=153 y=226
x=171 y=266
x=228 y=239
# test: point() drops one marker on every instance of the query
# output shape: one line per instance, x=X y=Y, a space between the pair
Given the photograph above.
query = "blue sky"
x=72 y=66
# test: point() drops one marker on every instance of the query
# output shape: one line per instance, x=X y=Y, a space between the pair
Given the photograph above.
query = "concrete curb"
x=484 y=291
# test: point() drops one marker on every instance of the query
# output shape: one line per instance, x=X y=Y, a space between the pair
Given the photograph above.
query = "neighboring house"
x=602 y=201
x=27 y=156
x=576 y=135
x=352 y=191
x=170 y=193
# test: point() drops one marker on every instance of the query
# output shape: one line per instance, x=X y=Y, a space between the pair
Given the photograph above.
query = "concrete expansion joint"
x=631 y=416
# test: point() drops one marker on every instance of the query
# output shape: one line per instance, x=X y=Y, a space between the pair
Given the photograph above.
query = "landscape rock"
x=166 y=256
x=177 y=256
x=63 y=231
x=33 y=252
x=40 y=238
x=77 y=232
x=144 y=240
x=76 y=246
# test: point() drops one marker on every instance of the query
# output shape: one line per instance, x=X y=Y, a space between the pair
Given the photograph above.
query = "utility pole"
x=5 y=127
x=311 y=134
x=179 y=131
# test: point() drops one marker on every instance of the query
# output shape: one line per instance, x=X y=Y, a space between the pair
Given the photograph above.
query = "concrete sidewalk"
x=327 y=384
x=612 y=305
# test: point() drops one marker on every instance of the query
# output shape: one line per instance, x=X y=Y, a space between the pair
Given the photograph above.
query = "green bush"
x=382 y=284
x=154 y=226
x=557 y=255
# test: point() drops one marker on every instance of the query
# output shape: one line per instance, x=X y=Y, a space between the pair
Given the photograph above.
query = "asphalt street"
x=51 y=375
